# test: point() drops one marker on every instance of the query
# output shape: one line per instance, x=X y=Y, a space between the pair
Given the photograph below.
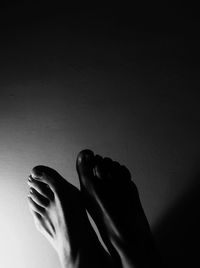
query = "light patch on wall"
x=11 y=238
x=11 y=247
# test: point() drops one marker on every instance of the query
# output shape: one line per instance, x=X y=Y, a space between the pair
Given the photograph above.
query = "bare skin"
x=59 y=214
x=112 y=200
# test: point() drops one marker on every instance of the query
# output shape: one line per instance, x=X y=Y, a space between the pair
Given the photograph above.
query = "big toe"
x=37 y=172
x=46 y=175
x=84 y=165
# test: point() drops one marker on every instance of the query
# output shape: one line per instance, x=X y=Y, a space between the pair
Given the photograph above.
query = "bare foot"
x=60 y=216
x=112 y=200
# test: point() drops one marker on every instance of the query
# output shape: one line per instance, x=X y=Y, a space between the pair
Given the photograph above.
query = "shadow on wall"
x=178 y=235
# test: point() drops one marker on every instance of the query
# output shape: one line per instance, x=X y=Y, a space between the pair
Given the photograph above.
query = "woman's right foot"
x=112 y=200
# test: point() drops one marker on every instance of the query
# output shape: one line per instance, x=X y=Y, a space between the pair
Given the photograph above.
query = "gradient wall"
x=123 y=85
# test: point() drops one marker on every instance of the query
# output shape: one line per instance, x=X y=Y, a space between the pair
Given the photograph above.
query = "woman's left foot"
x=60 y=216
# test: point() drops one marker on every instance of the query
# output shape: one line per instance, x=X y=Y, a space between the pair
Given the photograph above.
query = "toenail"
x=36 y=172
x=84 y=158
x=88 y=157
x=29 y=178
x=98 y=172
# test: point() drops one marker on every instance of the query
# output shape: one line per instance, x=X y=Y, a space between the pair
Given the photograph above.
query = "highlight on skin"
x=112 y=200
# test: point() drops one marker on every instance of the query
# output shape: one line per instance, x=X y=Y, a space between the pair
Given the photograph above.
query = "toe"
x=115 y=171
x=125 y=173
x=35 y=207
x=112 y=169
x=107 y=162
x=100 y=168
x=38 y=198
x=36 y=215
x=84 y=165
x=42 y=188
x=39 y=222
x=46 y=175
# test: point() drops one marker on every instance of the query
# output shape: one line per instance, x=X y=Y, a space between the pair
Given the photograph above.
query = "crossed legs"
x=112 y=200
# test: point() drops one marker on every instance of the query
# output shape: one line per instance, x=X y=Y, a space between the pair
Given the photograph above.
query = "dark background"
x=121 y=81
